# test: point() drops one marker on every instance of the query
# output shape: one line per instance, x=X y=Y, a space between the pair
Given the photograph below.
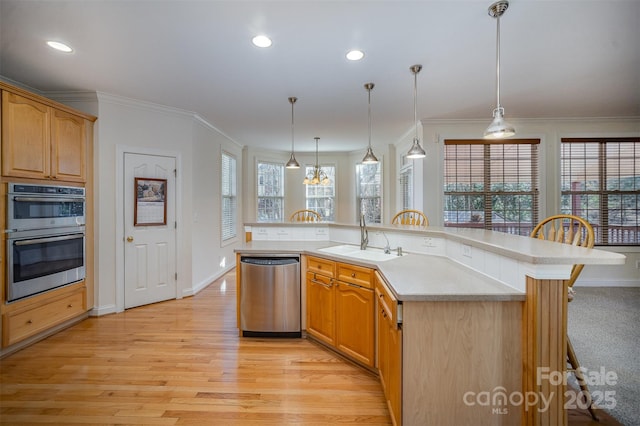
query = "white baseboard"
x=198 y=287
x=607 y=283
x=103 y=310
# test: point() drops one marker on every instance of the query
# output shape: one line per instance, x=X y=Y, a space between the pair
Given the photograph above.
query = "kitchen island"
x=479 y=315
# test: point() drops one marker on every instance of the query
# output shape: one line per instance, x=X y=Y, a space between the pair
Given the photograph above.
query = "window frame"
x=331 y=199
x=488 y=194
x=232 y=197
x=360 y=198
x=604 y=230
x=279 y=197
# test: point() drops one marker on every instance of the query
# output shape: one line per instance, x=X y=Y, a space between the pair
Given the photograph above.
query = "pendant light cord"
x=498 y=62
x=415 y=101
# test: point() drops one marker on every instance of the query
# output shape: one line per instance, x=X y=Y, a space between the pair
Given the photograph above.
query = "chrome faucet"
x=387 y=248
x=364 y=234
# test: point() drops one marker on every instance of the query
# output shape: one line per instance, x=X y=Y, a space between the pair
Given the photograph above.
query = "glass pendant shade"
x=499 y=128
x=416 y=150
x=292 y=163
x=369 y=157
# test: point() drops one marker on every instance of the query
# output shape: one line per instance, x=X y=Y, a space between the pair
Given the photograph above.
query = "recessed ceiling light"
x=355 y=55
x=59 y=46
x=261 y=41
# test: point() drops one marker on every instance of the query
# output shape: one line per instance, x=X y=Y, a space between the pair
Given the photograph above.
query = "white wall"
x=139 y=124
x=127 y=124
x=550 y=132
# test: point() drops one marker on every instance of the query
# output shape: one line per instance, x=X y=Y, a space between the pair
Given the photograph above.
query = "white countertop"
x=412 y=277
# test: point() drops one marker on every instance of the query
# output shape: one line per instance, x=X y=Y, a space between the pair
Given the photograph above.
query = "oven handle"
x=47 y=240
x=49 y=199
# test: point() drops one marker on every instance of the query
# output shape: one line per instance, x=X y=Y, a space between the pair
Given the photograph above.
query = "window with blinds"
x=321 y=198
x=406 y=187
x=369 y=191
x=229 y=196
x=491 y=184
x=270 y=192
x=600 y=182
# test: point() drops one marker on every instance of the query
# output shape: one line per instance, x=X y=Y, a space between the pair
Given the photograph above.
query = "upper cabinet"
x=42 y=142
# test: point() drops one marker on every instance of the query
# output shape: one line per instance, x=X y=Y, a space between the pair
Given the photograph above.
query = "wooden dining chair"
x=410 y=217
x=574 y=230
x=305 y=215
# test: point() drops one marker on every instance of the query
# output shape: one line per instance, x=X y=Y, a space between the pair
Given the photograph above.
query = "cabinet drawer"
x=355 y=274
x=23 y=324
x=321 y=266
x=386 y=299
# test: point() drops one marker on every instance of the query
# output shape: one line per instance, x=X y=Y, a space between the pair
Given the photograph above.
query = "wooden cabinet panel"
x=321 y=266
x=355 y=274
x=68 y=144
x=355 y=322
x=21 y=324
x=389 y=346
x=26 y=135
x=321 y=308
x=42 y=142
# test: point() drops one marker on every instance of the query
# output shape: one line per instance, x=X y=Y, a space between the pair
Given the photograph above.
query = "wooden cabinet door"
x=355 y=322
x=394 y=389
x=383 y=348
x=68 y=144
x=26 y=127
x=321 y=308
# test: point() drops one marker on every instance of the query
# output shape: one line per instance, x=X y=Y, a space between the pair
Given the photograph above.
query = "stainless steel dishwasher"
x=270 y=296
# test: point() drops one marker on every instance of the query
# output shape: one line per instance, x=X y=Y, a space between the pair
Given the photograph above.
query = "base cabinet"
x=355 y=322
x=340 y=308
x=29 y=318
x=389 y=347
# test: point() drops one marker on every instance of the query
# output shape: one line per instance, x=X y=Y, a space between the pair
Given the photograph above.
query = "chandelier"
x=317 y=176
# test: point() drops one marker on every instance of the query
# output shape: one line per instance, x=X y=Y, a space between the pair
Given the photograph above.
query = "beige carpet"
x=604 y=327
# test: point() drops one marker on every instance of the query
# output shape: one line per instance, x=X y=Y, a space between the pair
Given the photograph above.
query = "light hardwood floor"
x=181 y=362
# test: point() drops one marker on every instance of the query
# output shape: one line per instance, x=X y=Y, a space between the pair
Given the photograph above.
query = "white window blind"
x=270 y=192
x=406 y=187
x=369 y=191
x=321 y=198
x=229 y=197
x=491 y=184
x=600 y=182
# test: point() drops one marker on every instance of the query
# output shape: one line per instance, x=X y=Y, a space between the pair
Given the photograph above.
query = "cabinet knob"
x=69 y=305
x=29 y=322
x=129 y=239
x=353 y=275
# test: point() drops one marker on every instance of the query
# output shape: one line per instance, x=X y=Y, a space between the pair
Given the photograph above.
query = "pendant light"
x=317 y=176
x=416 y=150
x=499 y=128
x=292 y=163
x=369 y=157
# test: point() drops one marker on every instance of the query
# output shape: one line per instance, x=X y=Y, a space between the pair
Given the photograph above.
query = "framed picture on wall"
x=150 y=204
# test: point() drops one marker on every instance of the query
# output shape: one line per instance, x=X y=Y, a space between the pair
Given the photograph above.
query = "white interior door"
x=149 y=247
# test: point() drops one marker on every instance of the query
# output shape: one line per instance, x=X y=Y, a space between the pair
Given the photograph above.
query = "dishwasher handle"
x=269 y=261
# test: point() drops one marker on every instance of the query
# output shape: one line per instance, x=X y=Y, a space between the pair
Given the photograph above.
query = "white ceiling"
x=564 y=58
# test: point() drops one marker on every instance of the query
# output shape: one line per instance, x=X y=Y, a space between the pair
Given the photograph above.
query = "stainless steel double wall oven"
x=45 y=238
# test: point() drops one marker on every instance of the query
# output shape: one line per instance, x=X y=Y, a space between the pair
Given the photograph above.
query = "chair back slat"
x=305 y=216
x=578 y=232
x=410 y=217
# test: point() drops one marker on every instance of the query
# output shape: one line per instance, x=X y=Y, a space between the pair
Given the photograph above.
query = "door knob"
x=129 y=239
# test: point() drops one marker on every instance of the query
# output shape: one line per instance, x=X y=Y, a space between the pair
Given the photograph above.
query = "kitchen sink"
x=349 y=250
